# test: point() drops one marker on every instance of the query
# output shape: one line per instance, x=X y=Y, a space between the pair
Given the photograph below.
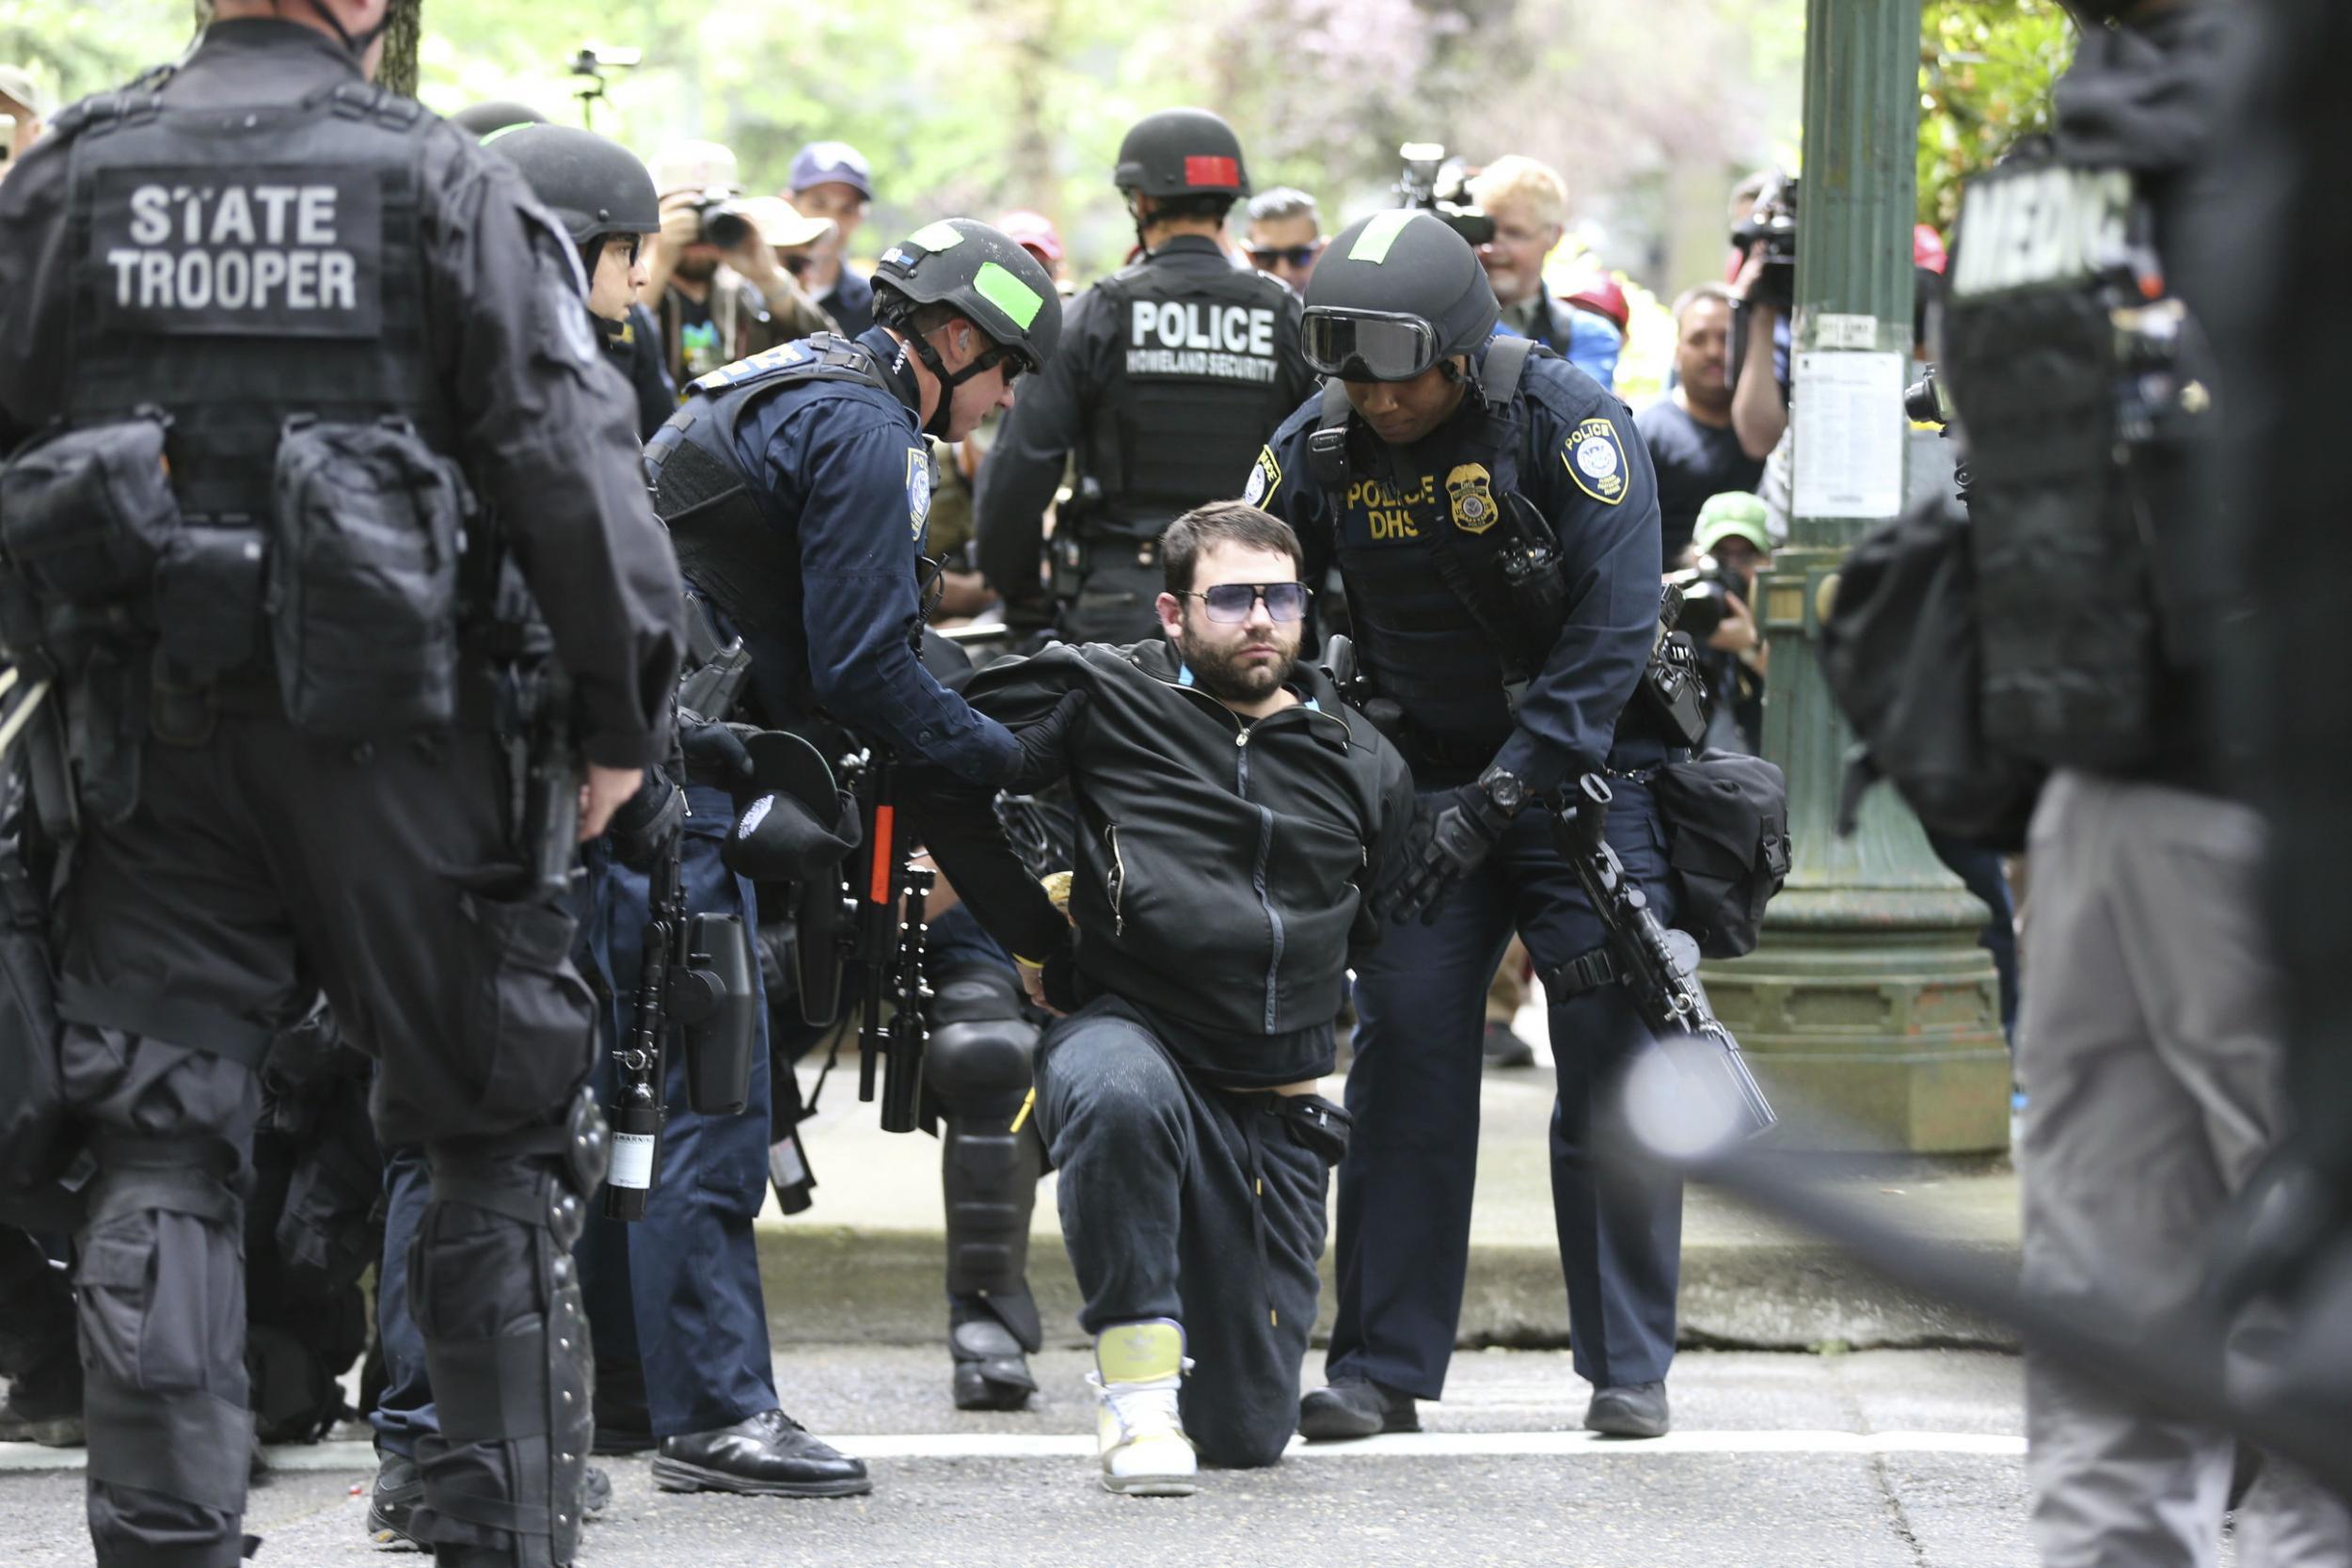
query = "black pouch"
x=87 y=515
x=208 y=597
x=33 y=1117
x=367 y=529
x=1727 y=820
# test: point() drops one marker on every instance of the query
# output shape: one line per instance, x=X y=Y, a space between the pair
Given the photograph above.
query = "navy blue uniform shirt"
x=842 y=470
x=1572 y=450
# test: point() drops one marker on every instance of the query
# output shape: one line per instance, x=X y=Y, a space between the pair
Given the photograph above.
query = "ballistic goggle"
x=1368 y=345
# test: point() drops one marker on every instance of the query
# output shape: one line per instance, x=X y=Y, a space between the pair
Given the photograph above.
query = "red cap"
x=1033 y=229
x=1601 y=296
x=1927 y=248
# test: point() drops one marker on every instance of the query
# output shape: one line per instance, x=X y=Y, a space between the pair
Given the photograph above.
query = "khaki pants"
x=2149 y=1049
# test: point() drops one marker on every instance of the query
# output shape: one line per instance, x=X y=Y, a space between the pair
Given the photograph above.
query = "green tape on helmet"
x=1378 y=235
x=1001 y=289
x=936 y=237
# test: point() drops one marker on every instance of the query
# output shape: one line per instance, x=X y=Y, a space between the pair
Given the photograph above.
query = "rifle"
x=1660 y=967
x=698 y=975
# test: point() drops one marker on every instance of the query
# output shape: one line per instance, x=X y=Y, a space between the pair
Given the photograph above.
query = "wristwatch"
x=1507 y=790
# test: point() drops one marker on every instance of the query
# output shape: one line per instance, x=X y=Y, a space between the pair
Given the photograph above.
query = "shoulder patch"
x=918 y=489
x=1595 y=458
x=1469 y=490
x=1266 y=477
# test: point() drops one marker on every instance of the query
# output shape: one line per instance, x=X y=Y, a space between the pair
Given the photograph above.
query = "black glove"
x=714 y=752
x=646 y=827
x=1451 y=835
x=1040 y=760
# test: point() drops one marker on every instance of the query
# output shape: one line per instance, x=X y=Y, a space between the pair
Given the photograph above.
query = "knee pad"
x=494 y=1289
x=981 y=1042
x=160 y=1297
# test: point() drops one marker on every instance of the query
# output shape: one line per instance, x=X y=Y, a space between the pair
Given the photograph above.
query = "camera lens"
x=723 y=227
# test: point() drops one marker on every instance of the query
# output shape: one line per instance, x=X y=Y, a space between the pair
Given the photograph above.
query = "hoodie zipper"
x=1258 y=874
x=1119 y=881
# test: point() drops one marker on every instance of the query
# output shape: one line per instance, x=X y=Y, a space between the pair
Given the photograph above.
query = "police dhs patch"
x=1595 y=458
x=918 y=489
x=1263 y=478
x=1471 y=489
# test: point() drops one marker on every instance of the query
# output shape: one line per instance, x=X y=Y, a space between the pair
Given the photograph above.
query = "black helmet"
x=1182 y=152
x=981 y=272
x=1394 y=295
x=593 y=185
x=479 y=120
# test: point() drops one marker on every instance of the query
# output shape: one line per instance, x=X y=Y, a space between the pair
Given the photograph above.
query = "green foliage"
x=1986 y=68
x=75 y=47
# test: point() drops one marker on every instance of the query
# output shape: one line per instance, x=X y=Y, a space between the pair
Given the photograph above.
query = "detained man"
x=1231 y=816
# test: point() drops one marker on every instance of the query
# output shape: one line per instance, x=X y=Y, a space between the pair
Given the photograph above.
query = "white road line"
x=360 y=1456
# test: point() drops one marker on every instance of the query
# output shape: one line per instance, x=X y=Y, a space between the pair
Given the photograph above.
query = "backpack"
x=1902 y=652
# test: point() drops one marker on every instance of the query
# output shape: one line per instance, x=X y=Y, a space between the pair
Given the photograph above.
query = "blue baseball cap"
x=822 y=161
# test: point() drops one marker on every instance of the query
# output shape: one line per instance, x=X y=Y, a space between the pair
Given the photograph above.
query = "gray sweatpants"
x=2150 y=1053
x=1181 y=1200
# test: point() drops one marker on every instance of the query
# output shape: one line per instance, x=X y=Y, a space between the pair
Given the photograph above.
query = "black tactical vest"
x=726 y=544
x=1438 y=628
x=237 y=267
x=2073 y=404
x=1193 y=387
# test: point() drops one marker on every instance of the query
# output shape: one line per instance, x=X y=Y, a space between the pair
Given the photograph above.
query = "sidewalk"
x=864 y=1264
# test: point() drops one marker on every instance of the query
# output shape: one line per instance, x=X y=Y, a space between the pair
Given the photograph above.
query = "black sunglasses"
x=1230 y=602
x=1294 y=255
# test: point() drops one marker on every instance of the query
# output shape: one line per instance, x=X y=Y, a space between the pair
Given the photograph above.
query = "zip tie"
x=1028 y=1104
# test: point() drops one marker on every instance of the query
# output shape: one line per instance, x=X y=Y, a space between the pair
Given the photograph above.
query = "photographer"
x=714 y=281
x=26 y=109
x=1766 y=235
x=1730 y=547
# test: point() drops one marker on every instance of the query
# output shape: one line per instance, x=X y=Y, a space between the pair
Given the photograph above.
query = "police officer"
x=1178 y=367
x=604 y=198
x=306 y=304
x=1495 y=519
x=783 y=478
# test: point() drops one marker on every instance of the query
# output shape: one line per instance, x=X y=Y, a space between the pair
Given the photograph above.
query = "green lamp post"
x=1870 y=1010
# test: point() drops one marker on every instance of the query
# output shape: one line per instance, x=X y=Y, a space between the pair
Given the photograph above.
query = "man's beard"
x=697 y=269
x=1222 y=676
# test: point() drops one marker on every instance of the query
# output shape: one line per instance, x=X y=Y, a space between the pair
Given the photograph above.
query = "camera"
x=1705 y=588
x=590 y=65
x=724 y=223
x=1928 y=400
x=1434 y=185
x=1772 y=225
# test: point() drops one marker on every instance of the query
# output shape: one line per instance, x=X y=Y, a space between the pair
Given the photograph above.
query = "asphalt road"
x=1907 y=1459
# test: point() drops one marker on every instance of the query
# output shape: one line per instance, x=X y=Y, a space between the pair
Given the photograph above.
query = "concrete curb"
x=837 y=1284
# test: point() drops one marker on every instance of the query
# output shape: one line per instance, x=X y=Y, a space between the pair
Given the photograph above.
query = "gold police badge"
x=1470 y=489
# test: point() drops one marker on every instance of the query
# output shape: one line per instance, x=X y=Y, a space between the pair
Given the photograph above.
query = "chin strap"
x=357 y=43
x=949 y=380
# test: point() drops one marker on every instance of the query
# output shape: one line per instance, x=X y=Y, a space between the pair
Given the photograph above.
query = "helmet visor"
x=1363 y=345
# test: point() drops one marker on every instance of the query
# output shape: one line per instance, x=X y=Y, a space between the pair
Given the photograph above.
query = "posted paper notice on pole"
x=1849 y=413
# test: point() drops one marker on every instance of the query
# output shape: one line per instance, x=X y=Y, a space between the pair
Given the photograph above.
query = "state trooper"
x=1495 y=519
x=311 y=321
x=797 y=484
x=1178 y=367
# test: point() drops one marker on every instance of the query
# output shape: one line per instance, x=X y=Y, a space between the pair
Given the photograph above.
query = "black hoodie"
x=1222 y=862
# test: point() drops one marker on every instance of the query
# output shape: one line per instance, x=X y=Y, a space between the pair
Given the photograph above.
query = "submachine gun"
x=1658 y=966
x=864 y=931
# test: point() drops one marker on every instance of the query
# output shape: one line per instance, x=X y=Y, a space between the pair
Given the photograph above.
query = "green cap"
x=1734 y=514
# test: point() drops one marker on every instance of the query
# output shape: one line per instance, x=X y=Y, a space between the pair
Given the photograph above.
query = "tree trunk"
x=398 y=70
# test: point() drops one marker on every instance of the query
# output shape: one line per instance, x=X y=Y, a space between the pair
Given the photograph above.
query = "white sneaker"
x=1138 y=1368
